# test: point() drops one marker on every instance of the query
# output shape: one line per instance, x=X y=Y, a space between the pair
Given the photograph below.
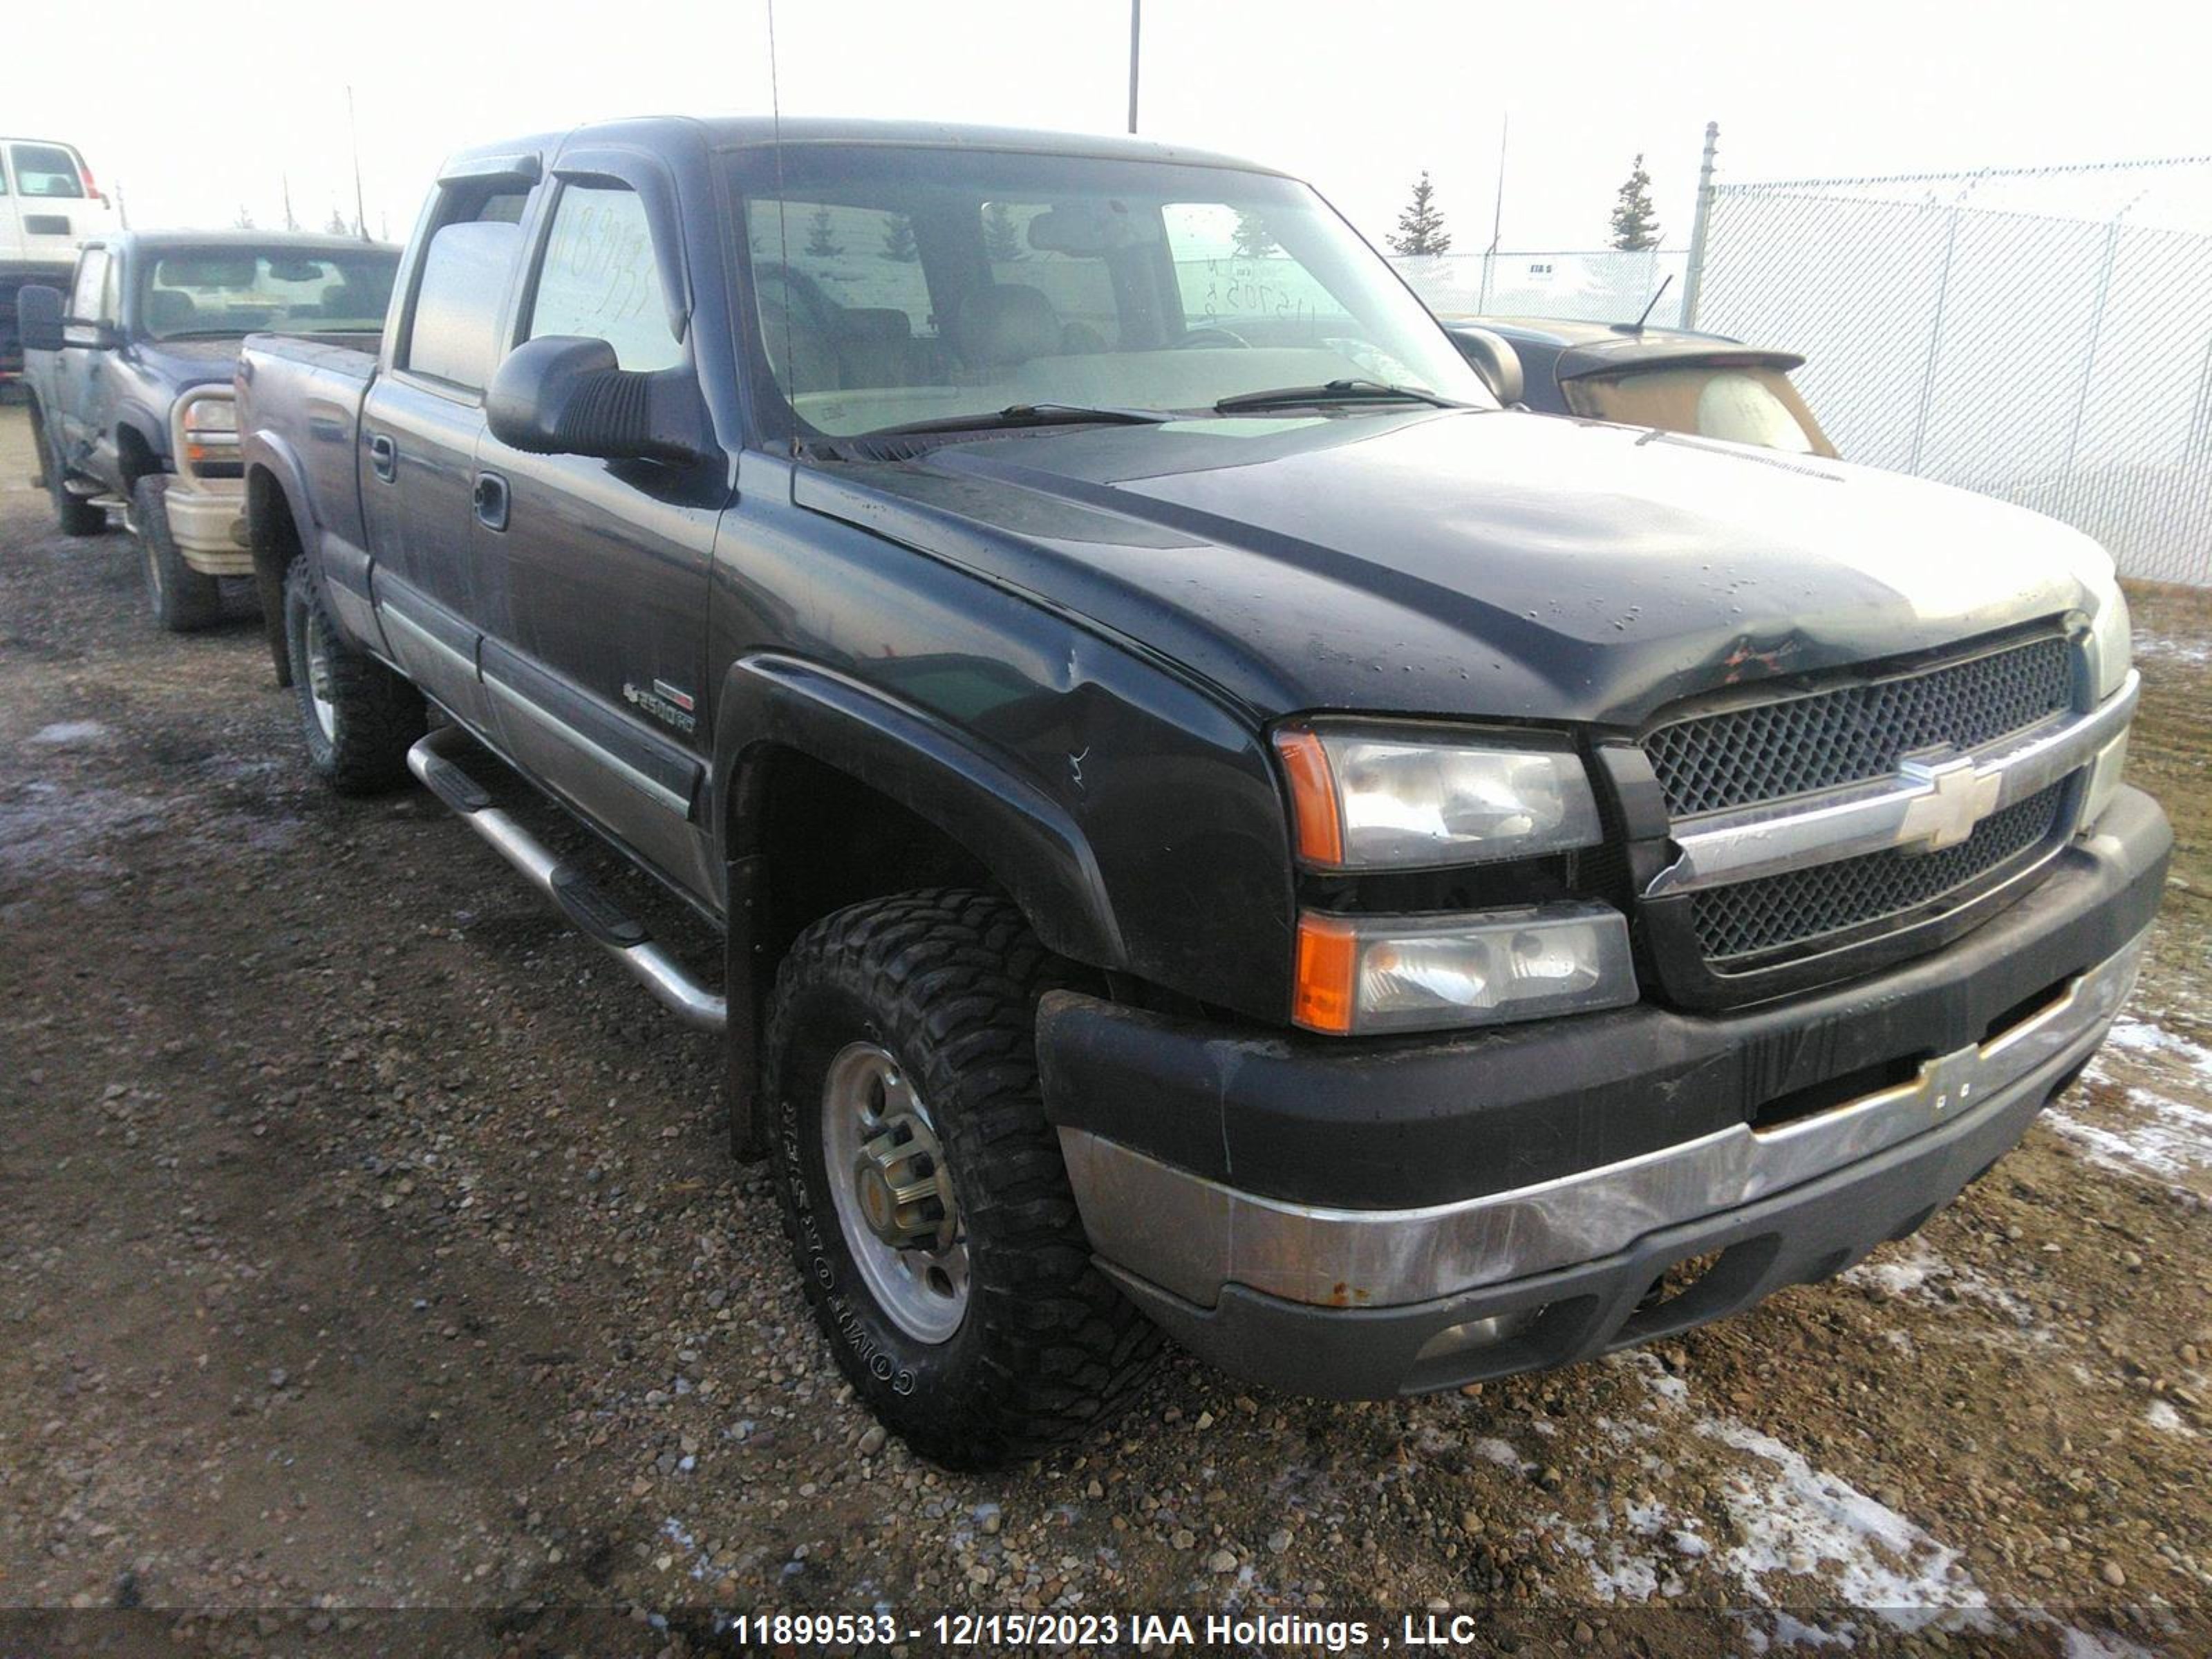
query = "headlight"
x=1361 y=974
x=210 y=427
x=1374 y=799
x=209 y=417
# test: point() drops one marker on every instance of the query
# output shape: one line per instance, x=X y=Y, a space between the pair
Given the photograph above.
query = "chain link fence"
x=1601 y=286
x=2042 y=335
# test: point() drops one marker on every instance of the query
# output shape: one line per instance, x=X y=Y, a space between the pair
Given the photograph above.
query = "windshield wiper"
x=1334 y=392
x=1016 y=415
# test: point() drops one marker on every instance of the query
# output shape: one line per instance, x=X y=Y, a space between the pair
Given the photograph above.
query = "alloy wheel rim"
x=892 y=1188
x=318 y=682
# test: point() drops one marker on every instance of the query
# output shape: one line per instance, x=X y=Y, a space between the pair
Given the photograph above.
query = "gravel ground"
x=369 y=1243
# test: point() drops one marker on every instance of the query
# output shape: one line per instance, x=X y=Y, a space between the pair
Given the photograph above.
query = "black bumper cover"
x=1394 y=1123
x=1402 y=1125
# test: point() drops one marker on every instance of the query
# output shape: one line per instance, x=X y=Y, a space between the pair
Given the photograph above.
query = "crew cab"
x=1672 y=379
x=1216 y=826
x=129 y=373
x=49 y=202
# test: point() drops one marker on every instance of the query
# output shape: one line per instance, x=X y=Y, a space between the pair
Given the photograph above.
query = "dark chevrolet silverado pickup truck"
x=1217 y=826
x=130 y=368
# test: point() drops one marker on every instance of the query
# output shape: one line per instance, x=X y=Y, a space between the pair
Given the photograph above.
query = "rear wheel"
x=76 y=515
x=182 y=598
x=359 y=718
x=923 y=1192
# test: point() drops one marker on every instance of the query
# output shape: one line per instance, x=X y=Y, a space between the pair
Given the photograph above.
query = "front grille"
x=1801 y=908
x=1709 y=762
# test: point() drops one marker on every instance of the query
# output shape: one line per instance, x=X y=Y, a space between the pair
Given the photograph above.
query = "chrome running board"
x=600 y=919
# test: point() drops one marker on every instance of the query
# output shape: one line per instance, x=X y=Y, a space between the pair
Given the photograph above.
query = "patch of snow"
x=1787 y=1519
x=2161 y=1415
x=1916 y=1271
x=1794 y=1518
x=2165 y=1140
x=62 y=733
x=2159 y=648
x=2142 y=1037
x=1502 y=1453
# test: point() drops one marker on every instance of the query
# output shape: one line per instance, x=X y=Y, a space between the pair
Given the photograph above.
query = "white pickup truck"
x=48 y=204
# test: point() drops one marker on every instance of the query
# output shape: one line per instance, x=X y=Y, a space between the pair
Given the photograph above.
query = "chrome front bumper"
x=207 y=517
x=1193 y=1238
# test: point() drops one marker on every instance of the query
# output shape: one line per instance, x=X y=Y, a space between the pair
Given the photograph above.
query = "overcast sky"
x=197 y=113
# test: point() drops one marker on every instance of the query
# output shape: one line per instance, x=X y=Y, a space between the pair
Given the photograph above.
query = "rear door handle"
x=491 y=500
x=383 y=456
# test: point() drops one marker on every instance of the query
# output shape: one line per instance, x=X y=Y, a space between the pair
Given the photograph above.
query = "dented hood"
x=1471 y=563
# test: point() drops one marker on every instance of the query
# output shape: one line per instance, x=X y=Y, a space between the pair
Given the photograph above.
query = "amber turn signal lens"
x=1329 y=953
x=1315 y=823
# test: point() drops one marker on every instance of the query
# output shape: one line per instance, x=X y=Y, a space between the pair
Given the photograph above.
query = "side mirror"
x=39 y=316
x=1491 y=356
x=565 y=394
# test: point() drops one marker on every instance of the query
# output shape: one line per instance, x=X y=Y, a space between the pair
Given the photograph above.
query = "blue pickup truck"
x=1214 y=825
x=129 y=375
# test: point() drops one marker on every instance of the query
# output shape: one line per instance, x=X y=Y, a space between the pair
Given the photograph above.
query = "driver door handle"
x=490 y=500
x=383 y=456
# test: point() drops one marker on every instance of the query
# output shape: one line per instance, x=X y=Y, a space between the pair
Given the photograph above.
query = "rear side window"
x=46 y=170
x=600 y=279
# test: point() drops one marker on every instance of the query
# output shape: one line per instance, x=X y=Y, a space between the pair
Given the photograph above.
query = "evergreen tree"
x=1002 y=242
x=820 y=244
x=337 y=225
x=1251 y=237
x=245 y=220
x=898 y=239
x=1421 y=226
x=1635 y=224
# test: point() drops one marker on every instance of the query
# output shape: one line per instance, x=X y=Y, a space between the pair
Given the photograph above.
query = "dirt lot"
x=368 y=1243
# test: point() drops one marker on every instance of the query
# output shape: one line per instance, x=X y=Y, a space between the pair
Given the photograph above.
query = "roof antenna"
x=1636 y=327
x=782 y=226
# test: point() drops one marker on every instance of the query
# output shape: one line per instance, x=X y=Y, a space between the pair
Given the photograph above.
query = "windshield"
x=184 y=291
x=895 y=285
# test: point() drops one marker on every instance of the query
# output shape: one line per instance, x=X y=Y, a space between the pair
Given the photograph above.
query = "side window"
x=599 y=278
x=46 y=170
x=90 y=289
x=466 y=271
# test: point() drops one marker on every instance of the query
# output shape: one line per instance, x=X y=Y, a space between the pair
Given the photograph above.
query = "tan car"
x=1670 y=379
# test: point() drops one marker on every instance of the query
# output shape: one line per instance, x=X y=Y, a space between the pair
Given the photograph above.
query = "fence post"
x=1935 y=341
x=2089 y=359
x=1694 y=278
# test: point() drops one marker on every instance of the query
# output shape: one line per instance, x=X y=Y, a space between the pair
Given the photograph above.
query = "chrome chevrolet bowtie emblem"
x=1954 y=797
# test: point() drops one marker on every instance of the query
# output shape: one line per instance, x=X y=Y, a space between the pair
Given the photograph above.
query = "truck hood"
x=1471 y=563
x=184 y=364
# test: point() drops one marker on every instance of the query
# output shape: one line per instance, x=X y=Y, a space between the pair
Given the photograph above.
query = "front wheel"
x=182 y=598
x=359 y=718
x=923 y=1191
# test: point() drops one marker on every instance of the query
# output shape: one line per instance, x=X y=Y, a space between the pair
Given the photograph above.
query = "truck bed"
x=311 y=390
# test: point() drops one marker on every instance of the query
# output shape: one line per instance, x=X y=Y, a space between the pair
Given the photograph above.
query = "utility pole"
x=353 y=132
x=1496 y=213
x=1136 y=20
x=290 y=223
x=1693 y=279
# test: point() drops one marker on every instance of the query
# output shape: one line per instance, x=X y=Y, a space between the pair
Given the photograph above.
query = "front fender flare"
x=1030 y=842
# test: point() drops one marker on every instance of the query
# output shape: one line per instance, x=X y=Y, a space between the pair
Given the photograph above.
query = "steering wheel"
x=1211 y=334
